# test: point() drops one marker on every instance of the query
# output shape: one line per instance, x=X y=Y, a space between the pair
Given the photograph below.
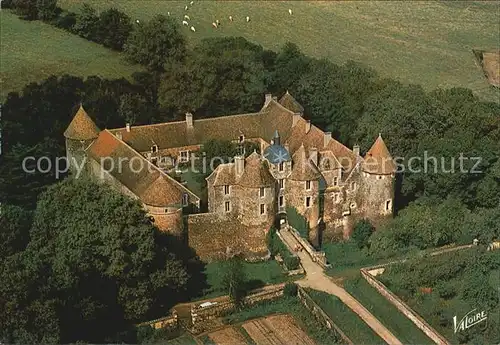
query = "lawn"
x=258 y=274
x=32 y=51
x=420 y=42
x=350 y=323
x=404 y=329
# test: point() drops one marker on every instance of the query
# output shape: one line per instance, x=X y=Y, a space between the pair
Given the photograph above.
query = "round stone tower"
x=80 y=134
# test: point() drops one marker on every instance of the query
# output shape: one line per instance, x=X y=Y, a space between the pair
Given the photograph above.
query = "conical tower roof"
x=291 y=103
x=378 y=160
x=81 y=127
x=303 y=168
x=161 y=193
x=255 y=174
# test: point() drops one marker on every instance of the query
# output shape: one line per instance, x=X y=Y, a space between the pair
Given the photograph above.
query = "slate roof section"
x=81 y=127
x=378 y=160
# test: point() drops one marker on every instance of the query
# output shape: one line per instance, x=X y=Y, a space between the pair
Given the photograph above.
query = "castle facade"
x=299 y=167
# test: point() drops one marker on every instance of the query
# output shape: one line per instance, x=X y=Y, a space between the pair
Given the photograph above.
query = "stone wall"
x=317 y=256
x=213 y=237
x=402 y=307
x=201 y=316
x=320 y=315
x=171 y=322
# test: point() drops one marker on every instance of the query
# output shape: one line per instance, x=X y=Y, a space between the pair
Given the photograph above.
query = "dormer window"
x=184 y=156
x=242 y=138
x=154 y=148
x=281 y=166
x=185 y=199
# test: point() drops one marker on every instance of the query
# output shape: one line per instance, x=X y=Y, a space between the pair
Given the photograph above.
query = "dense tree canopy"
x=94 y=265
x=155 y=43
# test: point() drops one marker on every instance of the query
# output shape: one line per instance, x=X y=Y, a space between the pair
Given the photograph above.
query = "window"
x=262 y=192
x=185 y=199
x=281 y=201
x=154 y=148
x=353 y=186
x=227 y=206
x=184 y=156
x=226 y=190
x=379 y=177
x=308 y=185
x=388 y=205
x=353 y=205
x=262 y=209
x=242 y=138
x=281 y=166
x=308 y=201
x=282 y=183
x=335 y=181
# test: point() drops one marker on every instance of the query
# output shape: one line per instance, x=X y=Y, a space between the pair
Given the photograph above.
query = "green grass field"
x=350 y=323
x=258 y=274
x=421 y=42
x=388 y=314
x=31 y=51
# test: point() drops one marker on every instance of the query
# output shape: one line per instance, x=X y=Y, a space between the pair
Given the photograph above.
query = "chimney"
x=239 y=164
x=326 y=139
x=308 y=126
x=295 y=118
x=355 y=149
x=189 y=120
x=313 y=155
x=128 y=127
x=269 y=98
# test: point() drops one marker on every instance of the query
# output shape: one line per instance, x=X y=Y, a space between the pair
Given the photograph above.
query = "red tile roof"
x=81 y=127
x=378 y=160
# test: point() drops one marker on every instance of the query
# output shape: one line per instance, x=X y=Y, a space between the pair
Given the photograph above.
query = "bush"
x=297 y=221
x=276 y=246
x=362 y=232
x=290 y=289
x=292 y=262
x=66 y=21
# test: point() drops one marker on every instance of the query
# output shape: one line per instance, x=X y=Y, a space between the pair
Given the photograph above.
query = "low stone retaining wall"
x=317 y=256
x=204 y=312
x=402 y=306
x=320 y=315
x=171 y=322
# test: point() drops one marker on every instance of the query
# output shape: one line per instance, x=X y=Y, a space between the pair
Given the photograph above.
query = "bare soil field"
x=276 y=330
x=227 y=336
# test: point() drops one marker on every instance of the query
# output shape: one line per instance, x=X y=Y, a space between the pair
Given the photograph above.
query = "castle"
x=299 y=166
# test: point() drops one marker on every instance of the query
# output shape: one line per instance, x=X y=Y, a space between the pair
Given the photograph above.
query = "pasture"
x=32 y=51
x=420 y=42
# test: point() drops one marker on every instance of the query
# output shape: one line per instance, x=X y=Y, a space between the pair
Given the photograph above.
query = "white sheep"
x=186 y=8
x=186 y=17
x=248 y=19
x=230 y=18
x=290 y=11
x=214 y=25
x=137 y=21
x=185 y=23
x=191 y=3
x=193 y=29
x=217 y=22
x=168 y=13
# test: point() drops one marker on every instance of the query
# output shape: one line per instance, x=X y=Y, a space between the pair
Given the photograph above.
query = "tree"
x=47 y=9
x=86 y=22
x=362 y=232
x=155 y=43
x=96 y=258
x=113 y=28
x=234 y=280
x=287 y=68
x=220 y=76
x=26 y=8
x=15 y=224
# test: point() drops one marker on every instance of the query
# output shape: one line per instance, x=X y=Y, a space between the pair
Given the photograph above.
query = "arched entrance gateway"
x=280 y=219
